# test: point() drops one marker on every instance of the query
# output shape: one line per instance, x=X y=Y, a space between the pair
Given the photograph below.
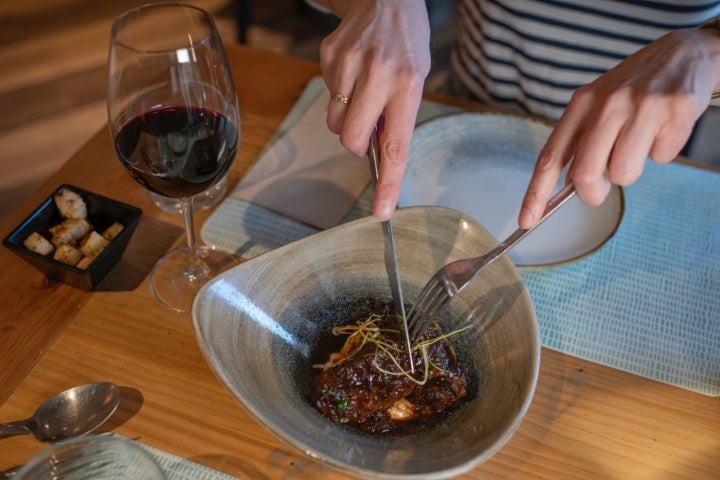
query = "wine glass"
x=202 y=201
x=174 y=120
x=101 y=456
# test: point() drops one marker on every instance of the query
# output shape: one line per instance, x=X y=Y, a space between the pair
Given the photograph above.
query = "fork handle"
x=553 y=204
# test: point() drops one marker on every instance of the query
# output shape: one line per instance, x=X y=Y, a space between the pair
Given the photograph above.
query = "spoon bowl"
x=72 y=413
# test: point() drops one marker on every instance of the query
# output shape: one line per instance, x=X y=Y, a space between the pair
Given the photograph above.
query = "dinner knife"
x=391 y=261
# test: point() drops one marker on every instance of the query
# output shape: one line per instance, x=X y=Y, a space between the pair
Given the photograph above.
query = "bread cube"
x=38 y=244
x=70 y=231
x=113 y=230
x=84 y=262
x=70 y=204
x=93 y=244
x=67 y=254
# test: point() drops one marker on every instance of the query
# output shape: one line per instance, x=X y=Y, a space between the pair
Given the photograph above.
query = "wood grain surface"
x=586 y=420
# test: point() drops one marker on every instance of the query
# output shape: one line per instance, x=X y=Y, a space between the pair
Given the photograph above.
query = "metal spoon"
x=72 y=413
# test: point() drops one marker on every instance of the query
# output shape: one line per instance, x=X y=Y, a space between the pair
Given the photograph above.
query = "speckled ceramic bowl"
x=260 y=323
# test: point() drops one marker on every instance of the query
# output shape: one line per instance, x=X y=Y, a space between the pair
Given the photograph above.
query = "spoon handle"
x=14 y=428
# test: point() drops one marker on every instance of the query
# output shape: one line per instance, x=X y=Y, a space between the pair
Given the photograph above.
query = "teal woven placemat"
x=647 y=302
x=177 y=468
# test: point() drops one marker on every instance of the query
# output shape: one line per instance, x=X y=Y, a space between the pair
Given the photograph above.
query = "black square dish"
x=102 y=212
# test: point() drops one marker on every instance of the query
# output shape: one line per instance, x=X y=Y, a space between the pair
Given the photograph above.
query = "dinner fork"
x=453 y=277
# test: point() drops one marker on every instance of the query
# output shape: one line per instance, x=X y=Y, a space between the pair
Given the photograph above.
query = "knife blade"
x=391 y=261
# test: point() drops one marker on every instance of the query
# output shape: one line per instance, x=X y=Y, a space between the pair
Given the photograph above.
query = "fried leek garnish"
x=369 y=331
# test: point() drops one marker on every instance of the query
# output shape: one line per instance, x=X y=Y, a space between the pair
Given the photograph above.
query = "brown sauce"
x=361 y=392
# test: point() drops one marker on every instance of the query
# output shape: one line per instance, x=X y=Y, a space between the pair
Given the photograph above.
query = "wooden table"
x=586 y=420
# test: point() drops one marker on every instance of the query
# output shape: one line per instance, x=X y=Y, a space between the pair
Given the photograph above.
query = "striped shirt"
x=530 y=55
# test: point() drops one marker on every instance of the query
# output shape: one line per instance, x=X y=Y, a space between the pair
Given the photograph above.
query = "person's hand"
x=378 y=59
x=645 y=106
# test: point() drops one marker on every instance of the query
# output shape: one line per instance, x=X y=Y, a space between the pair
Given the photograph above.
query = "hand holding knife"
x=391 y=262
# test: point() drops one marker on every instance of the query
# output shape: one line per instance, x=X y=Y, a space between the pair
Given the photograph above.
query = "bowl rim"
x=346 y=467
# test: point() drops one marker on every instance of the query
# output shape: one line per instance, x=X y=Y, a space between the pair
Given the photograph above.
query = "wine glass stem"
x=196 y=269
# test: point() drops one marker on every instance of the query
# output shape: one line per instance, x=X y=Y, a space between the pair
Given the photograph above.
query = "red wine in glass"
x=177 y=151
x=175 y=123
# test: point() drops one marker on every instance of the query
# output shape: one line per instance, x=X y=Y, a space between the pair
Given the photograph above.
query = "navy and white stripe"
x=532 y=54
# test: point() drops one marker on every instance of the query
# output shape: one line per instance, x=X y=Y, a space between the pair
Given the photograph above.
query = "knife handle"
x=373 y=155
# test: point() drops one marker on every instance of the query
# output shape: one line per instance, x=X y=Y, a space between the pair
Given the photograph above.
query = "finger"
x=588 y=171
x=338 y=105
x=631 y=149
x=395 y=141
x=396 y=130
x=354 y=121
x=341 y=89
x=669 y=142
x=340 y=76
x=360 y=119
x=552 y=159
x=372 y=98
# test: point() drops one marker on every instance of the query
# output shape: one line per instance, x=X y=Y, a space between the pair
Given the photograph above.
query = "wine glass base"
x=174 y=288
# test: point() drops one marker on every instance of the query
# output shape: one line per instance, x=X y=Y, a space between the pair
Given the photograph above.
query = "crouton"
x=73 y=241
x=38 y=244
x=70 y=231
x=84 y=262
x=67 y=254
x=61 y=236
x=70 y=204
x=113 y=230
x=93 y=244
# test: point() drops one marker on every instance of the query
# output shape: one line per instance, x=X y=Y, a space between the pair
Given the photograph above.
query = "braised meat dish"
x=368 y=383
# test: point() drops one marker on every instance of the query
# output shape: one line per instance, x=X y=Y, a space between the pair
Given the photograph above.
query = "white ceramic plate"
x=480 y=164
